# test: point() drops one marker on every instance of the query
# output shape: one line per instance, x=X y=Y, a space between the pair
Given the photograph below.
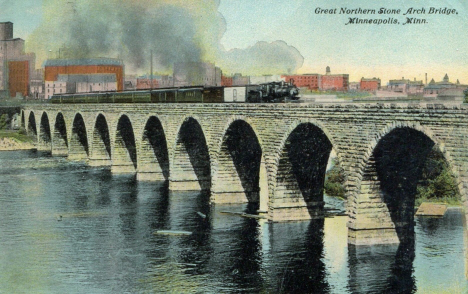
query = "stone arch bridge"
x=271 y=155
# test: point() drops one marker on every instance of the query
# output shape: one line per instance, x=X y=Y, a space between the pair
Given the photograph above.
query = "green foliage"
x=22 y=131
x=334 y=181
x=437 y=184
x=18 y=136
x=4 y=121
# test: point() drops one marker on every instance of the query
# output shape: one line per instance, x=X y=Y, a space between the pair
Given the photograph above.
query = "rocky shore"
x=11 y=144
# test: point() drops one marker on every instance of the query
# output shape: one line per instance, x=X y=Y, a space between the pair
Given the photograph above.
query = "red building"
x=86 y=66
x=310 y=81
x=145 y=84
x=18 y=77
x=226 y=81
x=338 y=82
x=370 y=85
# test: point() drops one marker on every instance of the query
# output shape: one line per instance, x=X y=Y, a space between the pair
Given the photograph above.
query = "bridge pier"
x=123 y=168
x=59 y=151
x=76 y=156
x=97 y=162
x=370 y=221
x=149 y=176
x=227 y=186
x=296 y=211
x=43 y=146
x=187 y=185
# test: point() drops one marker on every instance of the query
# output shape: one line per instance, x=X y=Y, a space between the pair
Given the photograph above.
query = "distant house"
x=406 y=86
x=435 y=88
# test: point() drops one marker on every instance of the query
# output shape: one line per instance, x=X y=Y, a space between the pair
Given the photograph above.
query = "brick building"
x=335 y=82
x=18 y=73
x=159 y=81
x=310 y=81
x=86 y=66
x=370 y=85
x=145 y=84
x=226 y=81
x=12 y=54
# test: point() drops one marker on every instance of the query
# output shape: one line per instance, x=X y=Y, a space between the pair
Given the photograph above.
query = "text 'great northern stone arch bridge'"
x=273 y=155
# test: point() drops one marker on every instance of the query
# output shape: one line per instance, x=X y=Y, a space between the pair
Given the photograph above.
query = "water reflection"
x=381 y=269
x=297 y=251
x=105 y=242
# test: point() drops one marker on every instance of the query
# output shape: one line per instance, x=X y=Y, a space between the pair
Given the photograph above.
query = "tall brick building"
x=19 y=77
x=15 y=65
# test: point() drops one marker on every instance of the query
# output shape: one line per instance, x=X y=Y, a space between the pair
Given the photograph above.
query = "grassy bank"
x=17 y=135
x=15 y=140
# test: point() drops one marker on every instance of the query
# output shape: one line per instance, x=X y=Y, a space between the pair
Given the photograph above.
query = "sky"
x=248 y=30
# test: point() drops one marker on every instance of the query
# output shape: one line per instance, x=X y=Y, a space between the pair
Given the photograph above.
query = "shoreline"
x=11 y=144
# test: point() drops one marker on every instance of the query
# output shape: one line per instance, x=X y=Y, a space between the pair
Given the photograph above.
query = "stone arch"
x=241 y=174
x=101 y=151
x=45 y=138
x=79 y=148
x=59 y=136
x=382 y=209
x=300 y=175
x=323 y=128
x=190 y=164
x=32 y=129
x=153 y=156
x=124 y=154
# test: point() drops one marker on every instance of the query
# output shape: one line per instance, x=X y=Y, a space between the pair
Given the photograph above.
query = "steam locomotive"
x=274 y=92
x=264 y=93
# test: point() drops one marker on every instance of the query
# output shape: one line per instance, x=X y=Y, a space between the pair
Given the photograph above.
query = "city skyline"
x=385 y=51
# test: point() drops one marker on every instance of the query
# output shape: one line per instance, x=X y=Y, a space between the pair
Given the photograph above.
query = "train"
x=273 y=92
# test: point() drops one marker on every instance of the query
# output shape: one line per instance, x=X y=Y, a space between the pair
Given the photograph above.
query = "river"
x=104 y=241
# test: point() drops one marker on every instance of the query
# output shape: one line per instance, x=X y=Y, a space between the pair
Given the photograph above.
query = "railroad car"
x=271 y=92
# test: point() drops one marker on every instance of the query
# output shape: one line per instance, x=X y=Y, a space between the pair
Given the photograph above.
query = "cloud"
x=273 y=58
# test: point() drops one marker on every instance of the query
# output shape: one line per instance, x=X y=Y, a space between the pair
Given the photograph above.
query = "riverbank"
x=12 y=144
x=13 y=140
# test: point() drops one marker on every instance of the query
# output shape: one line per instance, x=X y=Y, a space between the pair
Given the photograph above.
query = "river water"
x=105 y=241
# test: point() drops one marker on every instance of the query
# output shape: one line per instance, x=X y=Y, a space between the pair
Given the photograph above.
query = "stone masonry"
x=192 y=146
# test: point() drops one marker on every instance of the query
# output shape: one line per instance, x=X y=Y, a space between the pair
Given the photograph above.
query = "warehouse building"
x=93 y=68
